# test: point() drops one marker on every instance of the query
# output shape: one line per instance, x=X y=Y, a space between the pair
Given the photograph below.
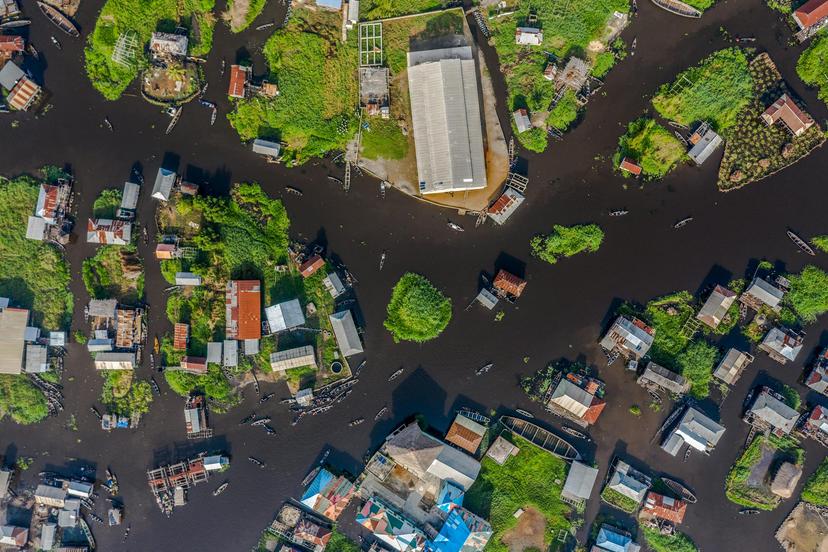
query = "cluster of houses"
x=25 y=349
x=20 y=91
x=50 y=220
x=117 y=231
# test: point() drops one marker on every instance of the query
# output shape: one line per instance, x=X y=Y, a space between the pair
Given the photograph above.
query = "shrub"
x=566 y=241
x=677 y=542
x=696 y=363
x=565 y=112
x=808 y=296
x=816 y=488
x=417 y=311
x=106 y=204
x=821 y=243
x=21 y=400
x=811 y=64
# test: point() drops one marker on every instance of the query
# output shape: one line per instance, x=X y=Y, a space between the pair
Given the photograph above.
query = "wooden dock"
x=540 y=437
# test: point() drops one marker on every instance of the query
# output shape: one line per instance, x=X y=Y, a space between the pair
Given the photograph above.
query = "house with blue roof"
x=461 y=532
x=611 y=539
x=450 y=496
x=328 y=494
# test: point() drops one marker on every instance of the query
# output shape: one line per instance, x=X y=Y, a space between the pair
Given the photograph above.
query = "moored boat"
x=683 y=492
x=678 y=7
x=540 y=437
x=14 y=23
x=294 y=191
x=483 y=369
x=523 y=412
x=87 y=532
x=618 y=213
x=220 y=489
x=748 y=511
x=355 y=422
x=456 y=227
x=256 y=461
x=683 y=222
x=801 y=243
x=59 y=19
x=396 y=374
x=381 y=413
x=575 y=433
x=175 y=113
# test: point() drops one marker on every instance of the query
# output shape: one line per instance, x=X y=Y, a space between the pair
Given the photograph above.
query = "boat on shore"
x=683 y=492
x=540 y=437
x=59 y=19
x=800 y=243
x=220 y=489
x=678 y=7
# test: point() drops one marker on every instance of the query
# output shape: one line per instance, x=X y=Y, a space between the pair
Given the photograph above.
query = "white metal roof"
x=129 y=198
x=164 y=181
x=284 y=316
x=36 y=228
x=12 y=329
x=346 y=333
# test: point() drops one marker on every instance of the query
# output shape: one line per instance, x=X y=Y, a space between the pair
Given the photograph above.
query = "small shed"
x=333 y=284
x=659 y=376
x=164 y=181
x=115 y=361
x=37 y=360
x=239 y=77
x=214 y=352
x=528 y=36
x=501 y=450
x=102 y=308
x=579 y=482
x=231 y=353
x=522 y=121
x=194 y=365
x=487 y=299
x=293 y=358
x=505 y=205
x=630 y=166
x=251 y=347
x=466 y=433
x=266 y=147
x=181 y=335
x=508 y=283
x=704 y=142
x=715 y=308
x=187 y=279
x=730 y=368
x=785 y=480
x=309 y=267
x=284 y=316
x=129 y=197
x=36 y=229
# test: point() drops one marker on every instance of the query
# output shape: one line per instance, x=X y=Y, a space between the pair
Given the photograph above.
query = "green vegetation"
x=791 y=395
x=816 y=488
x=380 y=9
x=106 y=204
x=141 y=19
x=667 y=316
x=23 y=463
x=123 y=396
x=340 y=543
x=383 y=139
x=532 y=479
x=565 y=112
x=753 y=490
x=697 y=362
x=715 y=90
x=812 y=63
x=240 y=16
x=33 y=274
x=213 y=384
x=576 y=29
x=753 y=149
x=808 y=296
x=566 y=241
x=315 y=72
x=821 y=243
x=115 y=272
x=417 y=311
x=635 y=410
x=21 y=400
x=650 y=145
x=622 y=502
x=677 y=542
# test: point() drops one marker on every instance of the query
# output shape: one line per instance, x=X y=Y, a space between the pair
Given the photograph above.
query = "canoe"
x=685 y=493
x=58 y=18
x=678 y=7
x=15 y=23
x=540 y=437
x=801 y=243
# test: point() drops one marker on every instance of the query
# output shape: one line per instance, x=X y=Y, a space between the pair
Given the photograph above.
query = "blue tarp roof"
x=612 y=541
x=319 y=482
x=452 y=535
x=450 y=496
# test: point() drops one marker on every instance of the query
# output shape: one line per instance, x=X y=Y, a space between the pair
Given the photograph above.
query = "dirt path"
x=528 y=533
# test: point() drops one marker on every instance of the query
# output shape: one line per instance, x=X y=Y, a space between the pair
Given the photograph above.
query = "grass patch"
x=568 y=30
x=33 y=274
x=213 y=384
x=21 y=400
x=667 y=316
x=622 y=502
x=254 y=9
x=418 y=311
x=532 y=479
x=565 y=112
x=715 y=90
x=122 y=395
x=142 y=18
x=808 y=296
x=738 y=487
x=106 y=204
x=697 y=362
x=380 y=9
x=316 y=74
x=816 y=488
x=652 y=146
x=820 y=242
x=677 y=542
x=566 y=241
x=812 y=63
x=384 y=139
x=115 y=272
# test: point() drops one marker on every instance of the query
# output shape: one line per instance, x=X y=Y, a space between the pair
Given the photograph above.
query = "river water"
x=561 y=314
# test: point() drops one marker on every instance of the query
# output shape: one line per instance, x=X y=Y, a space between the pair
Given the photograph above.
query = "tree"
x=809 y=293
x=696 y=363
x=565 y=241
x=417 y=311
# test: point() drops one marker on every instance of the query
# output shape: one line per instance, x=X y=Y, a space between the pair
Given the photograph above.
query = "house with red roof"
x=664 y=507
x=785 y=109
x=579 y=398
x=630 y=166
x=243 y=305
x=239 y=78
x=813 y=13
x=508 y=283
x=309 y=267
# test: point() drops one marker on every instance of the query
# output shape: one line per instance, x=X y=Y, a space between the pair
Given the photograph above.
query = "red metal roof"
x=11 y=43
x=238 y=80
x=509 y=283
x=309 y=267
x=195 y=365
x=243 y=309
x=502 y=203
x=660 y=506
x=182 y=333
x=23 y=94
x=594 y=411
x=165 y=250
x=50 y=201
x=630 y=166
x=786 y=109
x=810 y=13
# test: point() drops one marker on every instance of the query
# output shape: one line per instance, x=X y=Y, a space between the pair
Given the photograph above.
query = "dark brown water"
x=561 y=314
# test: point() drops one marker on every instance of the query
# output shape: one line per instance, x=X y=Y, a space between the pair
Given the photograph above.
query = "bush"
x=417 y=310
x=622 y=502
x=715 y=90
x=821 y=243
x=697 y=363
x=106 y=204
x=566 y=241
x=816 y=488
x=652 y=146
x=811 y=64
x=565 y=112
x=21 y=400
x=808 y=296
x=677 y=542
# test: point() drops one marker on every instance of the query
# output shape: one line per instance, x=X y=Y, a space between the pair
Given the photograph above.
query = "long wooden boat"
x=800 y=243
x=59 y=19
x=88 y=533
x=685 y=493
x=540 y=437
x=678 y=7
x=14 y=23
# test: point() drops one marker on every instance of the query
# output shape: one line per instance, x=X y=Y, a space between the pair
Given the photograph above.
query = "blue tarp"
x=452 y=535
x=612 y=541
x=318 y=484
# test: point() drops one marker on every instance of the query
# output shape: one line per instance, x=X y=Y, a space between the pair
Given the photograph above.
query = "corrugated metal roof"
x=579 y=481
x=164 y=181
x=12 y=329
x=284 y=316
x=129 y=198
x=10 y=74
x=346 y=333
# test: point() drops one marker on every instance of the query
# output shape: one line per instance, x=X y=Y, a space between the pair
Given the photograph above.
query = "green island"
x=748 y=483
x=677 y=542
x=566 y=241
x=808 y=296
x=654 y=148
x=533 y=481
x=815 y=490
x=240 y=14
x=33 y=275
x=582 y=31
x=812 y=62
x=380 y=9
x=137 y=21
x=417 y=311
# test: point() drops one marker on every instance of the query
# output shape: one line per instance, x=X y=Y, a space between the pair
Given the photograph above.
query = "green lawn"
x=715 y=90
x=142 y=18
x=816 y=488
x=417 y=310
x=33 y=274
x=622 y=502
x=316 y=74
x=105 y=278
x=383 y=139
x=566 y=241
x=667 y=315
x=677 y=542
x=124 y=396
x=696 y=363
x=812 y=63
x=21 y=400
x=650 y=145
x=380 y=9
x=737 y=489
x=532 y=479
